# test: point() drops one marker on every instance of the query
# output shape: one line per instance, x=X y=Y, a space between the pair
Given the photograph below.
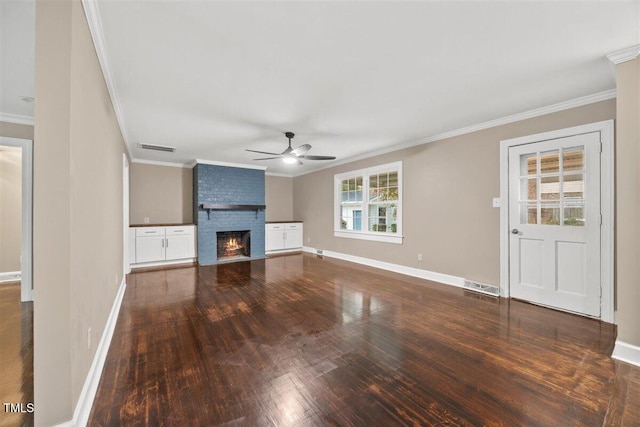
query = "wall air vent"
x=482 y=288
x=158 y=147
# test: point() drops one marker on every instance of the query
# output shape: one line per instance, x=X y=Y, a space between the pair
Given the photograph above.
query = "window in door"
x=552 y=187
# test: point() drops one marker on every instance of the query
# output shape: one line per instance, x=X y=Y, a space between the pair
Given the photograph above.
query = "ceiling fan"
x=290 y=155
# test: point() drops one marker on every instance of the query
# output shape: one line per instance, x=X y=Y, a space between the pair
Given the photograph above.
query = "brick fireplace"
x=231 y=193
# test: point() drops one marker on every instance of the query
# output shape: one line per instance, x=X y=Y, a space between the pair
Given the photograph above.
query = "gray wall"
x=13 y=130
x=164 y=194
x=279 y=198
x=77 y=217
x=628 y=202
x=447 y=190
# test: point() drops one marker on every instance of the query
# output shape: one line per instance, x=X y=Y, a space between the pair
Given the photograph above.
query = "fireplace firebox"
x=233 y=245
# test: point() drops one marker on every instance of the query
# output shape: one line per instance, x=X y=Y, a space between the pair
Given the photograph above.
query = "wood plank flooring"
x=305 y=341
x=16 y=355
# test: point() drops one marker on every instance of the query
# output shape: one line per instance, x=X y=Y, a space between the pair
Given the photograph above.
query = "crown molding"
x=160 y=163
x=231 y=165
x=554 y=108
x=281 y=175
x=16 y=119
x=623 y=55
x=92 y=13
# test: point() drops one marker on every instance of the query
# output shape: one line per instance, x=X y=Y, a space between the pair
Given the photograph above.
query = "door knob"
x=515 y=231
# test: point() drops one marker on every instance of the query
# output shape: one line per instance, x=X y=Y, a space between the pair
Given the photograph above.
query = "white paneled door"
x=554 y=223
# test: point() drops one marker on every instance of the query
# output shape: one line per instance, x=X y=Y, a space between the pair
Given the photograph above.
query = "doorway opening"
x=16 y=197
x=16 y=285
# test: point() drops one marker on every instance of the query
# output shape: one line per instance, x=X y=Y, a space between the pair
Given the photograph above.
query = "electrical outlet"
x=496 y=202
x=146 y=220
x=419 y=257
x=89 y=339
x=308 y=239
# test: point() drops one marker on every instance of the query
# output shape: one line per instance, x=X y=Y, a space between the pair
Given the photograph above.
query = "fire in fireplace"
x=233 y=244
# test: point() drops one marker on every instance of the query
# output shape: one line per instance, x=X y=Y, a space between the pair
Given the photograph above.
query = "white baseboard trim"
x=282 y=251
x=396 y=268
x=627 y=353
x=10 y=276
x=88 y=394
x=161 y=263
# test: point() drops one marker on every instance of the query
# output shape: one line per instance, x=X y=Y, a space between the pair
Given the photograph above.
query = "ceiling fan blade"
x=301 y=150
x=262 y=152
x=318 y=157
x=269 y=158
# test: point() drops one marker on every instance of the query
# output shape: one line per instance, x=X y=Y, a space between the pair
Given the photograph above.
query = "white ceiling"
x=17 y=58
x=349 y=78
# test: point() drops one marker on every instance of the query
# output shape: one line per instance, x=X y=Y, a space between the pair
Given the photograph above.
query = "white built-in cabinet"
x=163 y=244
x=283 y=236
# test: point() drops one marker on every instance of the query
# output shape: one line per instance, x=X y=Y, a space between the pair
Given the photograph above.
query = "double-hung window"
x=368 y=204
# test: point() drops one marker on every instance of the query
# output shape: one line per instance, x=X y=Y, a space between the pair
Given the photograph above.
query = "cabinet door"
x=293 y=239
x=149 y=248
x=275 y=240
x=180 y=247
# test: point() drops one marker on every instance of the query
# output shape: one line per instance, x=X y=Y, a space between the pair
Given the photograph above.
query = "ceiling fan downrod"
x=290 y=136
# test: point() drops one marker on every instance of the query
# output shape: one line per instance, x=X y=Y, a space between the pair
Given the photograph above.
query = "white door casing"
x=554 y=218
x=541 y=241
x=126 y=266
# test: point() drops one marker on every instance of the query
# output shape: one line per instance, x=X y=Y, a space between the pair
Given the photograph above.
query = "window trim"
x=365 y=234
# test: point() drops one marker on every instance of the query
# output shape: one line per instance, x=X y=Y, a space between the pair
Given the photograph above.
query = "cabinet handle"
x=163 y=243
x=167 y=239
x=285 y=235
x=178 y=231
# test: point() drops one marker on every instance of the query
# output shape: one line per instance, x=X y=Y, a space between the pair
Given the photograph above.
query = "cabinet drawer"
x=149 y=231
x=275 y=227
x=187 y=230
x=294 y=226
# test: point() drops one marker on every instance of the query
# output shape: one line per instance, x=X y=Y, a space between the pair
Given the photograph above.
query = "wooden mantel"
x=226 y=207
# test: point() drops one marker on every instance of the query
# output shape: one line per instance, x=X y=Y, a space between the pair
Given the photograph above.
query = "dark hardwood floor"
x=305 y=341
x=16 y=355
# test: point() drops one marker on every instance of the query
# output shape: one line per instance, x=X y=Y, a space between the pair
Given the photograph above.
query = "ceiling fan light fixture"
x=289 y=160
x=290 y=155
